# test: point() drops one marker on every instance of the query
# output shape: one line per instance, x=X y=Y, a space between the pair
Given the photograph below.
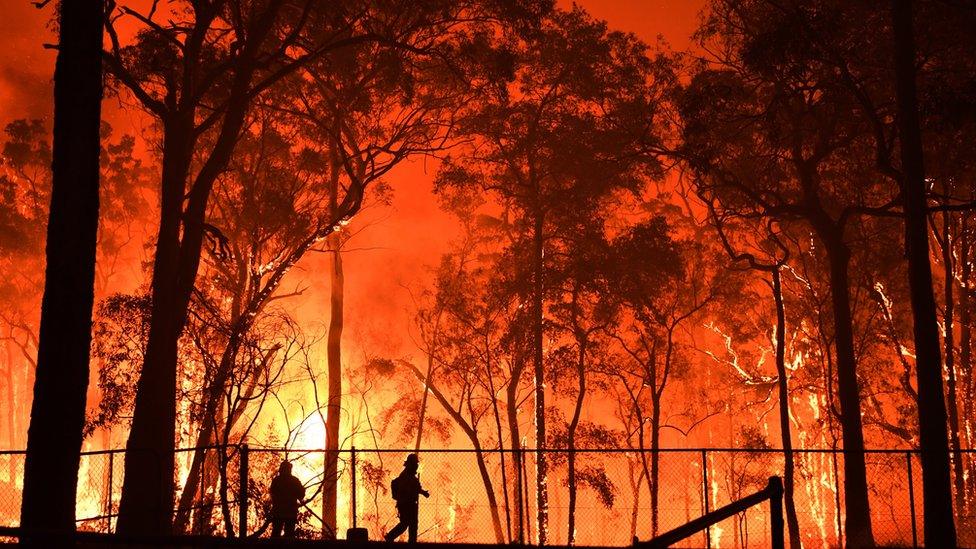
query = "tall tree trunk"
x=792 y=522
x=642 y=452
x=511 y=408
x=61 y=382
x=501 y=439
x=334 y=404
x=333 y=409
x=654 y=475
x=148 y=486
x=541 y=463
x=571 y=438
x=958 y=477
x=223 y=487
x=857 y=507
x=965 y=356
x=496 y=520
x=148 y=483
x=635 y=488
x=939 y=528
x=422 y=414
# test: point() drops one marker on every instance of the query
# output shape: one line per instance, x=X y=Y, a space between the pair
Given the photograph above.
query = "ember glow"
x=604 y=266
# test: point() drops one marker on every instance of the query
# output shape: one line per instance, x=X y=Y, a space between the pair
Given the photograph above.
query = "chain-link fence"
x=491 y=496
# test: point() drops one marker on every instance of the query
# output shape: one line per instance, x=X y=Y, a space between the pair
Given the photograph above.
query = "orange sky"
x=415 y=232
x=26 y=67
x=402 y=240
x=675 y=20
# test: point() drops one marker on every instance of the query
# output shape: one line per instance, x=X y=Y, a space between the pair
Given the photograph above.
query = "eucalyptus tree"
x=469 y=370
x=872 y=79
x=581 y=310
x=768 y=140
x=663 y=283
x=766 y=253
x=263 y=206
x=198 y=69
x=939 y=527
x=61 y=380
x=575 y=121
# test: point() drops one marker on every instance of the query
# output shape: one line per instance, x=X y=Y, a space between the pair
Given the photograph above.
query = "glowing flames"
x=311 y=433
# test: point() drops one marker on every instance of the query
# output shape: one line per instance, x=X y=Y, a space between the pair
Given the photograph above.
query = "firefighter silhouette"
x=287 y=493
x=406 y=490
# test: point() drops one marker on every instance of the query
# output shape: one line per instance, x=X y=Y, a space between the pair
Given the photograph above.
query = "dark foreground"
x=93 y=540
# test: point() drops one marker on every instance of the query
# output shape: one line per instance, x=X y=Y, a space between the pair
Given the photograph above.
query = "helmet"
x=411 y=460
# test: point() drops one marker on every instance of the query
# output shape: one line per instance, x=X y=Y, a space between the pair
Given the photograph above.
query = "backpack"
x=396 y=487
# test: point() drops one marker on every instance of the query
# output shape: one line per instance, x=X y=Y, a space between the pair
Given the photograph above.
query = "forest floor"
x=106 y=541
x=203 y=542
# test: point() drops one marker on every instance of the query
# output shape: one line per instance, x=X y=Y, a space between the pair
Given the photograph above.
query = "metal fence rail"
x=486 y=496
x=773 y=493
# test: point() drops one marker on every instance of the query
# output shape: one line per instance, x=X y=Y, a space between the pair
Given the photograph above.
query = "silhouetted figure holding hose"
x=287 y=493
x=406 y=490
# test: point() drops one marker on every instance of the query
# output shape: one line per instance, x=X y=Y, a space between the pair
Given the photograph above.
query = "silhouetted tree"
x=265 y=205
x=199 y=83
x=61 y=380
x=773 y=259
x=573 y=123
x=781 y=165
x=583 y=308
x=467 y=357
x=663 y=283
x=939 y=526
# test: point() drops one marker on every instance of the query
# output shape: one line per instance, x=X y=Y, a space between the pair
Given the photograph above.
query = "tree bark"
x=422 y=414
x=939 y=526
x=654 y=475
x=334 y=404
x=965 y=355
x=511 y=408
x=146 y=505
x=635 y=488
x=541 y=463
x=148 y=484
x=792 y=522
x=571 y=437
x=60 y=385
x=333 y=410
x=498 y=432
x=857 y=507
x=948 y=264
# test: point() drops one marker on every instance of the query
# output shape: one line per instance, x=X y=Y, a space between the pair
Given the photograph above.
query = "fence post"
x=708 y=530
x=352 y=459
x=242 y=491
x=911 y=498
x=197 y=525
x=837 y=511
x=775 y=489
x=111 y=471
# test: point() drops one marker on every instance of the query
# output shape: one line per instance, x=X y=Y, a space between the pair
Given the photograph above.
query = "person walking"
x=406 y=491
x=287 y=493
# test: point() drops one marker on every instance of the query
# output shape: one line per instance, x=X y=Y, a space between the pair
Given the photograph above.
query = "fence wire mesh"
x=490 y=496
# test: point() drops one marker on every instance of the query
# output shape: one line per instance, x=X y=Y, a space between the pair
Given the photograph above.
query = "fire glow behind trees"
x=506 y=225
